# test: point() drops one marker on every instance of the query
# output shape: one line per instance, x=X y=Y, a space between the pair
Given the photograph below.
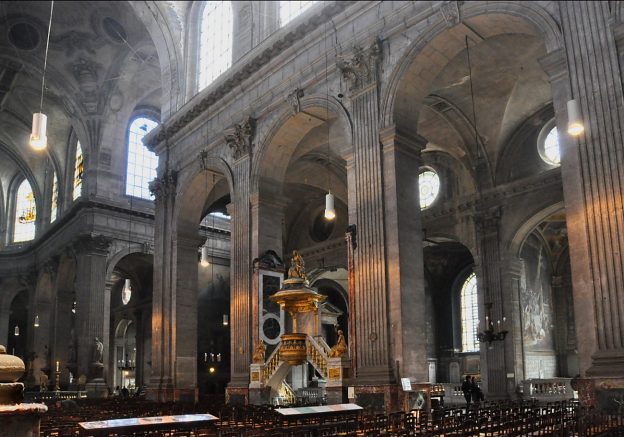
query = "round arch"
x=288 y=129
x=504 y=17
x=529 y=224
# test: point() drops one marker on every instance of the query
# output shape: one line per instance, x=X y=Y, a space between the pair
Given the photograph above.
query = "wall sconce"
x=490 y=334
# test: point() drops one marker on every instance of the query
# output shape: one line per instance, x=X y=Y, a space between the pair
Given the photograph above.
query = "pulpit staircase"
x=275 y=370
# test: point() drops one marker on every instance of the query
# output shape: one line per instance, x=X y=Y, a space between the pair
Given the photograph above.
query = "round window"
x=548 y=144
x=322 y=228
x=429 y=185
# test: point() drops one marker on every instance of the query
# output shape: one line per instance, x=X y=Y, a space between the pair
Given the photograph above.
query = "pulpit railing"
x=323 y=344
x=287 y=393
x=316 y=356
x=272 y=363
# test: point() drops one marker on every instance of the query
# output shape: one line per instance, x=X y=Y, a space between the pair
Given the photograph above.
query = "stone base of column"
x=381 y=398
x=237 y=395
x=260 y=396
x=97 y=389
x=160 y=392
x=607 y=364
x=604 y=394
x=336 y=395
x=186 y=395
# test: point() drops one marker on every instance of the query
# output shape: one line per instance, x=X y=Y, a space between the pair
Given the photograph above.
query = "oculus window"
x=548 y=144
x=142 y=163
x=429 y=186
x=291 y=9
x=78 y=171
x=25 y=213
x=469 y=314
x=54 y=205
x=215 y=41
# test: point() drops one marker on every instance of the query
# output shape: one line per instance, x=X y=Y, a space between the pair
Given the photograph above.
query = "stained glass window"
x=215 y=41
x=290 y=9
x=78 y=171
x=549 y=147
x=429 y=185
x=25 y=213
x=469 y=314
x=54 y=206
x=142 y=163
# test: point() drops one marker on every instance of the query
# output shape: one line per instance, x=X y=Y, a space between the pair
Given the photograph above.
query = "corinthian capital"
x=164 y=185
x=361 y=68
x=92 y=243
x=240 y=137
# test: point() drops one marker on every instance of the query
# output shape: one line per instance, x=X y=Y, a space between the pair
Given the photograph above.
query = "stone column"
x=92 y=308
x=592 y=168
x=406 y=283
x=240 y=140
x=267 y=221
x=514 y=344
x=160 y=386
x=366 y=211
x=488 y=270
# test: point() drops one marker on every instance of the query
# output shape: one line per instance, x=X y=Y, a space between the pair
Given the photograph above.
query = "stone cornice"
x=187 y=114
x=494 y=196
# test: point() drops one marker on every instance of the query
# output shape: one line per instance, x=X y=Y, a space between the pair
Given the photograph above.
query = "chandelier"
x=492 y=333
x=126 y=364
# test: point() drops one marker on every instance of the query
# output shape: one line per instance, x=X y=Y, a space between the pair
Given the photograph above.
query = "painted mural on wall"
x=536 y=297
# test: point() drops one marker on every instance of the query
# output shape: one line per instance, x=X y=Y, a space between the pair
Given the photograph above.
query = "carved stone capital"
x=164 y=186
x=240 y=137
x=50 y=266
x=450 y=13
x=488 y=221
x=362 y=67
x=294 y=100
x=93 y=244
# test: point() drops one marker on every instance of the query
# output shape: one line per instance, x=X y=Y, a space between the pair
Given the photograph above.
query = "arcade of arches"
x=190 y=150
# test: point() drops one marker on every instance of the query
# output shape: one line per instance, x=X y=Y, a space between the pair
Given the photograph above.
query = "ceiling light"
x=575 y=121
x=330 y=212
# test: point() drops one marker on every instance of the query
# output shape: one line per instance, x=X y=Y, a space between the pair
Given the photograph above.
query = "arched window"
x=25 y=213
x=548 y=144
x=142 y=163
x=291 y=8
x=78 y=171
x=429 y=185
x=215 y=41
x=469 y=314
x=54 y=205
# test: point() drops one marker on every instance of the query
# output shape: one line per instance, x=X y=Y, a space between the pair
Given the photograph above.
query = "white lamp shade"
x=16 y=332
x=330 y=212
x=38 y=137
x=36 y=321
x=226 y=320
x=575 y=120
x=128 y=284
x=204 y=257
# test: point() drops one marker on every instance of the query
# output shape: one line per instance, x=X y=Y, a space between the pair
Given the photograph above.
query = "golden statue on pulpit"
x=258 y=355
x=297 y=267
x=340 y=347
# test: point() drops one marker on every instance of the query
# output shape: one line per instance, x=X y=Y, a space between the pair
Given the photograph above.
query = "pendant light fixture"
x=38 y=137
x=575 y=121
x=36 y=321
x=16 y=331
x=204 y=257
x=330 y=211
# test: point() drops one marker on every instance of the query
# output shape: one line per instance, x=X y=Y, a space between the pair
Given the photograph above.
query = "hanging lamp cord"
x=474 y=112
x=45 y=59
